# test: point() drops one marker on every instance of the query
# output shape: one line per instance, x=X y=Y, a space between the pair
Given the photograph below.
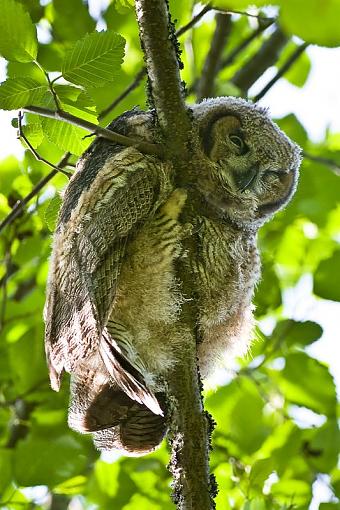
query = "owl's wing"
x=103 y=205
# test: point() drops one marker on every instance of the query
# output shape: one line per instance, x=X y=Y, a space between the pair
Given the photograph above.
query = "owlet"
x=113 y=299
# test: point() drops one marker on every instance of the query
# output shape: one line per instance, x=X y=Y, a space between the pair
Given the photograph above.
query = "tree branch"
x=188 y=425
x=285 y=67
x=212 y=62
x=147 y=148
x=140 y=75
x=264 y=58
x=19 y=206
x=163 y=72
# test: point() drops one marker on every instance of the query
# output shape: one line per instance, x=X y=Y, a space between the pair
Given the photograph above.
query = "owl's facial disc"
x=250 y=183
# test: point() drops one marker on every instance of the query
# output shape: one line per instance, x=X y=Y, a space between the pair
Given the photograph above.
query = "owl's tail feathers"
x=140 y=433
x=116 y=420
x=126 y=375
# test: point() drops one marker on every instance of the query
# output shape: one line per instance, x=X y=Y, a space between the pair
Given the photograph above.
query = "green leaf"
x=255 y=504
x=9 y=170
x=66 y=136
x=18 y=38
x=329 y=506
x=307 y=382
x=41 y=461
x=293 y=128
x=292 y=492
x=268 y=292
x=6 y=456
x=70 y=20
x=95 y=59
x=303 y=19
x=296 y=333
x=18 y=92
x=51 y=212
x=323 y=447
x=327 y=278
x=33 y=132
x=260 y=471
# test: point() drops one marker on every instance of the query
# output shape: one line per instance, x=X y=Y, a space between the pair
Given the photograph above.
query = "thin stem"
x=19 y=206
x=229 y=59
x=285 y=67
x=34 y=152
x=139 y=77
x=243 y=13
x=194 y=20
x=50 y=85
x=148 y=148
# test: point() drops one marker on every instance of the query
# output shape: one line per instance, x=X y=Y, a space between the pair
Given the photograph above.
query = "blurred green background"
x=276 y=442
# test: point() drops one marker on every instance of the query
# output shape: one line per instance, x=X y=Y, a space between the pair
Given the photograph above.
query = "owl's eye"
x=239 y=143
x=274 y=174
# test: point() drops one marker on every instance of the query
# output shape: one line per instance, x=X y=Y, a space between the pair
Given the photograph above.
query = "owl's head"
x=250 y=167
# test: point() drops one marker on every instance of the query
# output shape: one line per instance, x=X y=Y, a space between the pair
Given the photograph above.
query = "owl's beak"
x=244 y=180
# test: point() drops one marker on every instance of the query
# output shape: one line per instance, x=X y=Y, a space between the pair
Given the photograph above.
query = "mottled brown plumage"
x=113 y=299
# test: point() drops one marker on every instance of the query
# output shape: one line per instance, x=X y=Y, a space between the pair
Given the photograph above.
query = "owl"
x=113 y=297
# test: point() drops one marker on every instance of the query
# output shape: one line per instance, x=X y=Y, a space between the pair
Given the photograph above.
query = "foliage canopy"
x=276 y=419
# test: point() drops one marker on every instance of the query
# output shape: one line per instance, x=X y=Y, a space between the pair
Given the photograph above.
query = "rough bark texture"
x=188 y=424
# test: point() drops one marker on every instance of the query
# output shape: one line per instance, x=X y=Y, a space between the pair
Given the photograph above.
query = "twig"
x=194 y=20
x=244 y=44
x=140 y=75
x=34 y=152
x=212 y=62
x=229 y=59
x=333 y=165
x=264 y=58
x=243 y=13
x=148 y=148
x=50 y=85
x=19 y=429
x=19 y=206
x=4 y=283
x=285 y=67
